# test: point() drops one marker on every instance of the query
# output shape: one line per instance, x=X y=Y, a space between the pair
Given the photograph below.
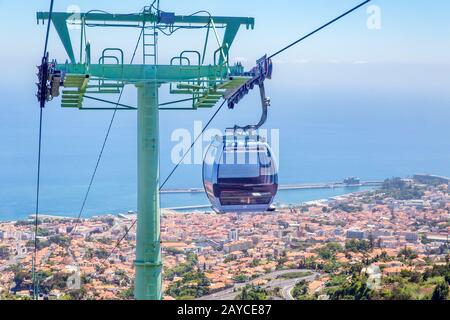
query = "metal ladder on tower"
x=149 y=42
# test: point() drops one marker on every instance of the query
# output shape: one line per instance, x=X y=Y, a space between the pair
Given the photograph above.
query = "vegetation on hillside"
x=400 y=189
x=193 y=283
x=253 y=293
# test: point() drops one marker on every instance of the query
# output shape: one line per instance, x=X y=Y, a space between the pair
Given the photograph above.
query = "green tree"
x=193 y=283
x=253 y=293
x=356 y=289
x=441 y=291
x=358 y=246
x=300 y=290
x=101 y=254
x=240 y=278
x=447 y=277
x=407 y=253
x=127 y=294
x=256 y=262
x=328 y=251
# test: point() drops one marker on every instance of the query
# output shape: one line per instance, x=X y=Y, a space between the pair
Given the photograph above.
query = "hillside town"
x=387 y=239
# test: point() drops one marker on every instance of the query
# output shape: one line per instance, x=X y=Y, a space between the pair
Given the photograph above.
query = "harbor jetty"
x=306 y=186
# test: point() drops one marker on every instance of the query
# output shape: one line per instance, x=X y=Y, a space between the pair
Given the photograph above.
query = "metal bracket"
x=259 y=74
x=265 y=103
x=49 y=81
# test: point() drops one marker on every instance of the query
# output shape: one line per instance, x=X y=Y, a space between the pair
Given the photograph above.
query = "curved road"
x=286 y=285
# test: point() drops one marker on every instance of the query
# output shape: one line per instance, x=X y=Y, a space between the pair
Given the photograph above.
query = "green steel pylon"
x=205 y=83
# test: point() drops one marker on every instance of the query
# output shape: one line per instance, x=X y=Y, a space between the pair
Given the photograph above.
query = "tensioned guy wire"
x=105 y=141
x=169 y=176
x=38 y=180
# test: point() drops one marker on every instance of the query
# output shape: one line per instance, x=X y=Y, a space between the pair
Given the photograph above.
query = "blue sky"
x=409 y=45
x=412 y=34
x=412 y=30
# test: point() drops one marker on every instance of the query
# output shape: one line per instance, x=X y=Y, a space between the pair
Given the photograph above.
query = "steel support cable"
x=128 y=107
x=192 y=145
x=127 y=232
x=215 y=114
x=48 y=27
x=36 y=219
x=115 y=103
x=320 y=28
x=169 y=176
x=38 y=180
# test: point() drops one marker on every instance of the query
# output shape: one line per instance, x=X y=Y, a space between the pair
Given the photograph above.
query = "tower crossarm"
x=60 y=21
x=139 y=73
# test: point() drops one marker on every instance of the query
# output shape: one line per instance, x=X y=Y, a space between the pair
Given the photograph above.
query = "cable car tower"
x=187 y=74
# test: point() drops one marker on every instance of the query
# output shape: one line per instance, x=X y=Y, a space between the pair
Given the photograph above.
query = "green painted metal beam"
x=148 y=264
x=230 y=34
x=137 y=73
x=60 y=24
x=146 y=17
x=60 y=19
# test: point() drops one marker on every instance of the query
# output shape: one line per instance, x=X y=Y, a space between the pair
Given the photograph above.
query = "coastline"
x=191 y=208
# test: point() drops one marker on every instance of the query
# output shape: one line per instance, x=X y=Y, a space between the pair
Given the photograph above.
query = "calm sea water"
x=325 y=136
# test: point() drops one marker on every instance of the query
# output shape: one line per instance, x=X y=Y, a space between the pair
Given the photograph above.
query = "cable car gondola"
x=239 y=170
x=240 y=174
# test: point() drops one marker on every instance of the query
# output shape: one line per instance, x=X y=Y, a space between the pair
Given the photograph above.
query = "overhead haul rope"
x=169 y=176
x=35 y=280
x=215 y=114
x=191 y=147
x=319 y=29
x=272 y=56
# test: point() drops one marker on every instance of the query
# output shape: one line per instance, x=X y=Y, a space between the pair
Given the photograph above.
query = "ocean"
x=325 y=135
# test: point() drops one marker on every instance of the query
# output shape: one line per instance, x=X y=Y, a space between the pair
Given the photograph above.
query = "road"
x=286 y=292
x=286 y=285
